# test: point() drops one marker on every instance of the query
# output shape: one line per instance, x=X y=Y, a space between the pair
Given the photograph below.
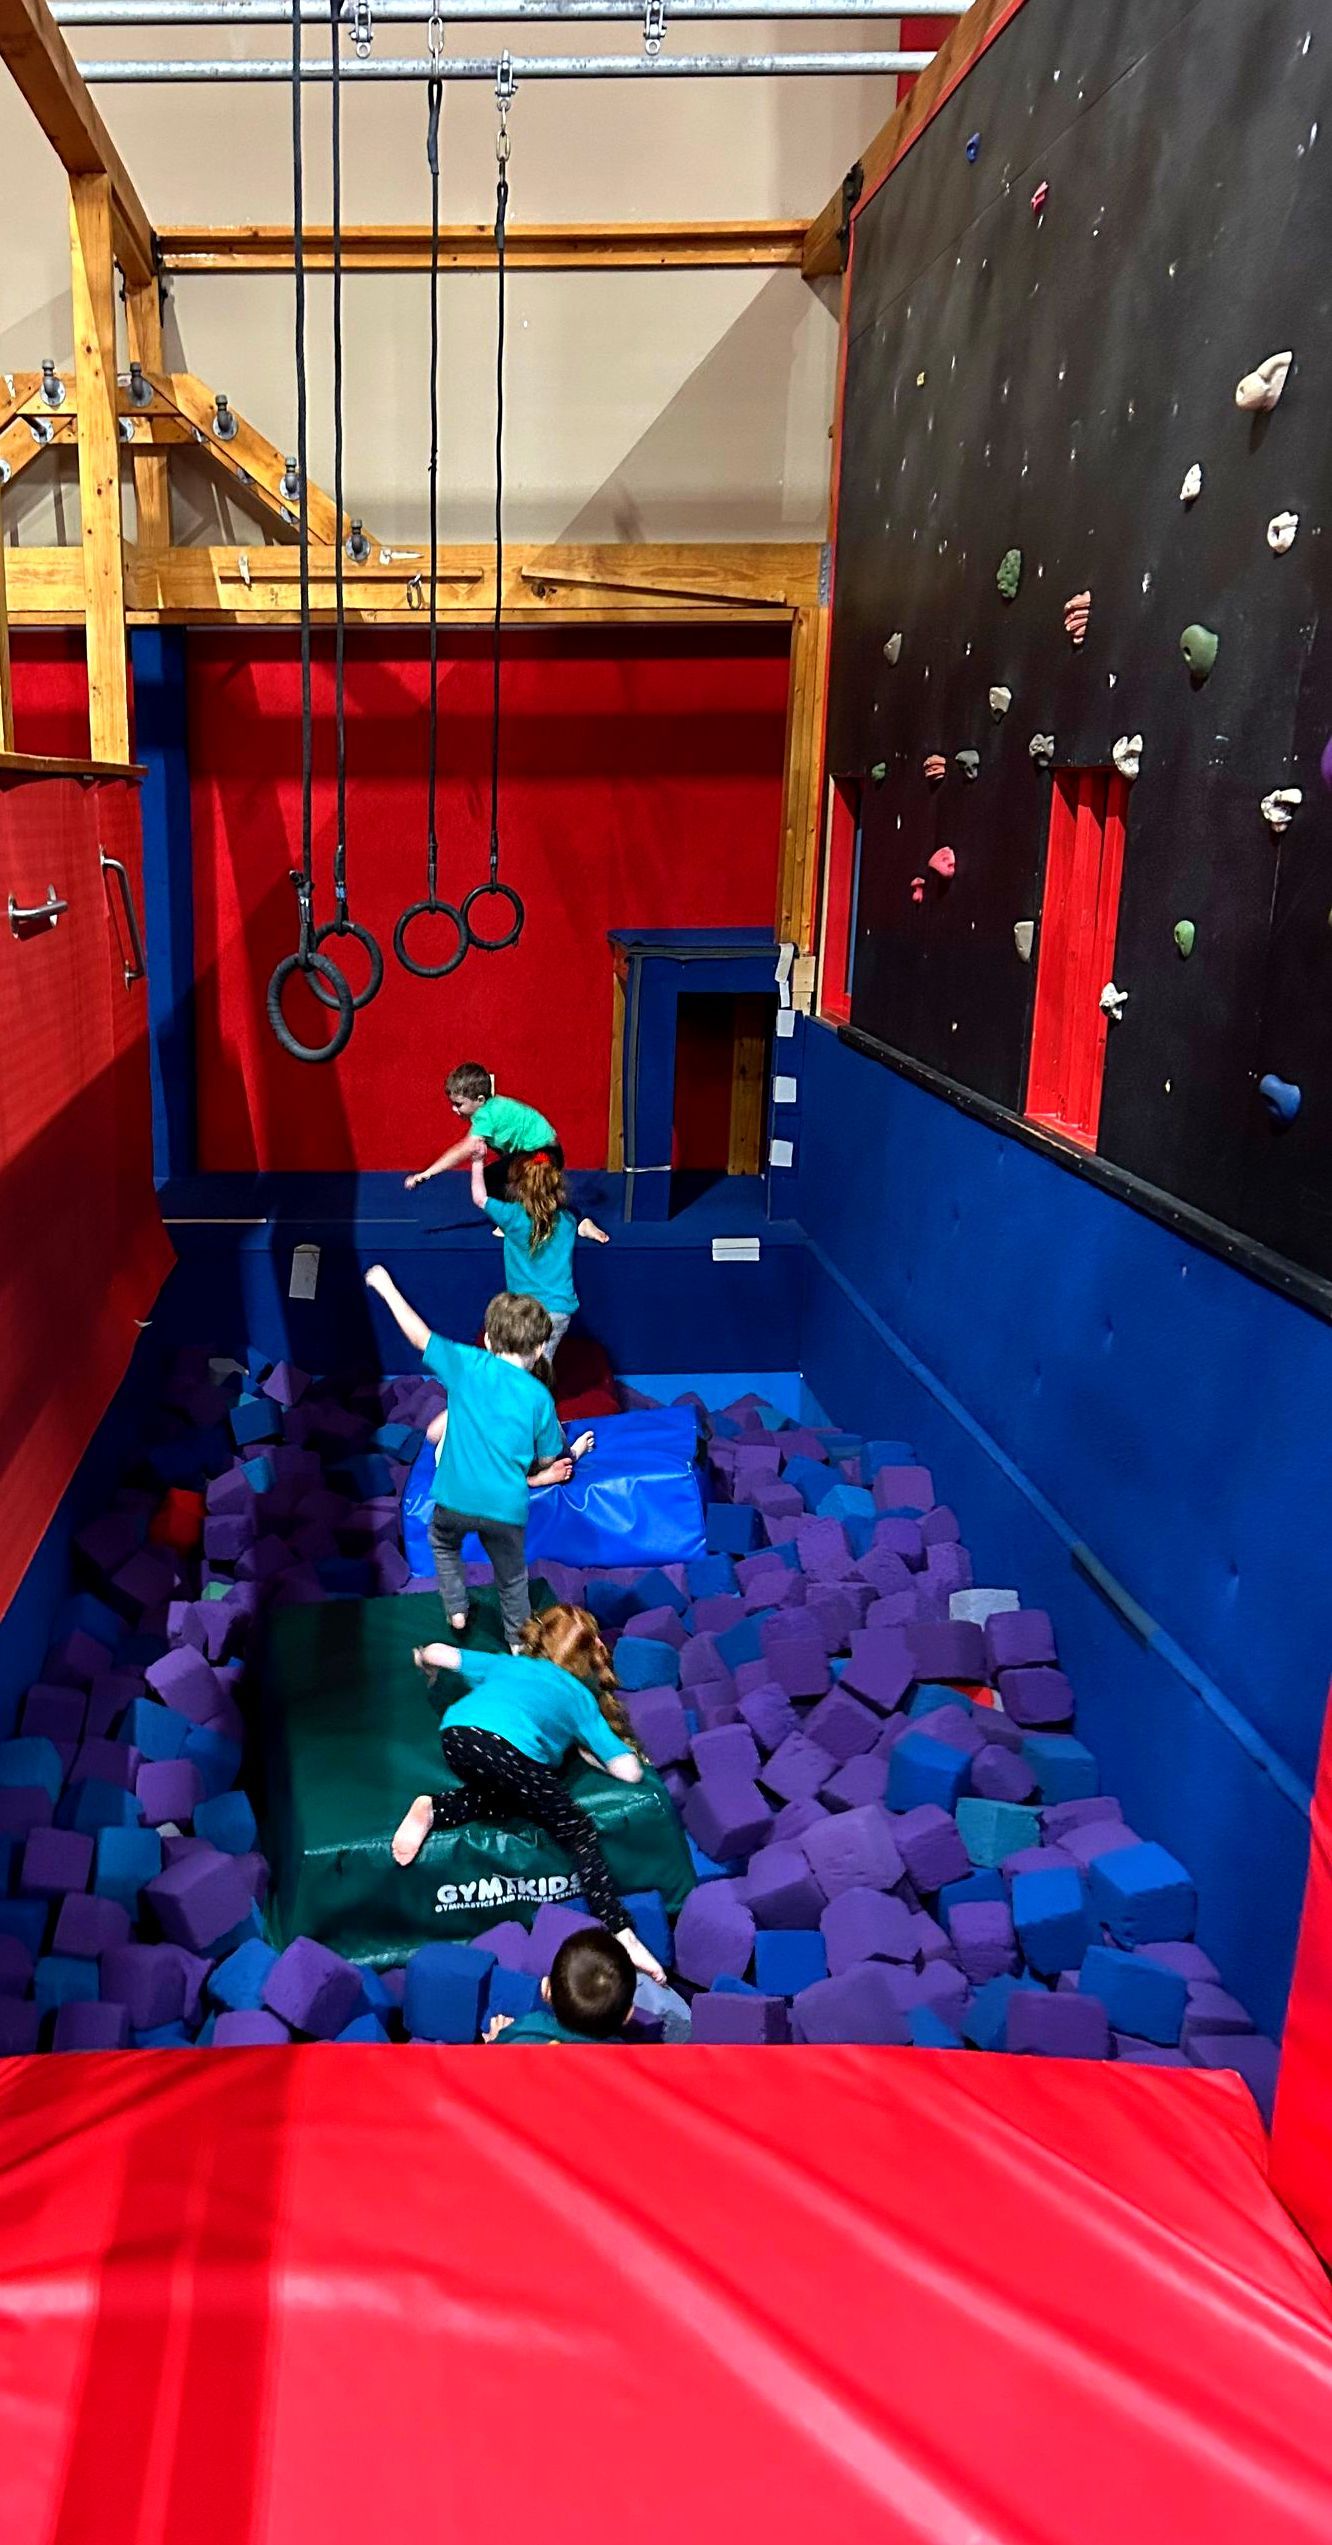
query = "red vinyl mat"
x=864 y=2296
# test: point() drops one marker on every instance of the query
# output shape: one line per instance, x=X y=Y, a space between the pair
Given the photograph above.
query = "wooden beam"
x=469 y=247
x=6 y=690
x=38 y=764
x=825 y=241
x=152 y=482
x=93 y=290
x=250 y=458
x=20 y=449
x=35 y=51
x=802 y=782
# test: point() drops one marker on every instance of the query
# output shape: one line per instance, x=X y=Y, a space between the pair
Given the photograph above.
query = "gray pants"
x=559 y=1327
x=504 y=1543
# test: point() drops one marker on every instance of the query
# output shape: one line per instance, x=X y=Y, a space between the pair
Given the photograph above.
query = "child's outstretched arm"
x=405 y=1317
x=589 y=1228
x=479 y=1193
x=469 y=1146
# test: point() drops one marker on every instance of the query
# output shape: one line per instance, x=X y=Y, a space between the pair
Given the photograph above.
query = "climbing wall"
x=1117 y=215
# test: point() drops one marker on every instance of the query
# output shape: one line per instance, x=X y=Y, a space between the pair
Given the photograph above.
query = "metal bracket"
x=853 y=186
x=41 y=428
x=654 y=27
x=44 y=915
x=358 y=546
x=361 y=16
x=224 y=422
x=141 y=390
x=289 y=484
x=53 y=387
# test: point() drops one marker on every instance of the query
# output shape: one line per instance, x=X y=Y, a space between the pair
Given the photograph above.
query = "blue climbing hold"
x=974 y=148
x=1282 y=1100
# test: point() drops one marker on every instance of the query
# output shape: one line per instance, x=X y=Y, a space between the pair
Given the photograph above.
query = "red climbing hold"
x=936 y=768
x=943 y=863
x=1038 y=200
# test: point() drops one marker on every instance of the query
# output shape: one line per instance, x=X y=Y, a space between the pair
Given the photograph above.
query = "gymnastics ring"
x=341 y=999
x=494 y=945
x=351 y=928
x=434 y=910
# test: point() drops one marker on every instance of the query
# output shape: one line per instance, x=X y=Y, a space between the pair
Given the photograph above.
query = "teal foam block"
x=991 y=1831
x=1064 y=1769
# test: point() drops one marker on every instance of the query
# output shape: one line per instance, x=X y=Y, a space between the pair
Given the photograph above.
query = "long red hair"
x=536 y=1184
x=571 y=1638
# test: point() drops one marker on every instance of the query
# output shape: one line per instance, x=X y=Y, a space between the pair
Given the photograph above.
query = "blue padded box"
x=1064 y=1769
x=1143 y=1895
x=1052 y=1918
x=636 y=1498
x=787 y=1959
x=1139 y=1996
x=924 y=1771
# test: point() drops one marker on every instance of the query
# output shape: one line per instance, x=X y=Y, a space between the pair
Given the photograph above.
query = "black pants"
x=505 y=1545
x=501 y=1783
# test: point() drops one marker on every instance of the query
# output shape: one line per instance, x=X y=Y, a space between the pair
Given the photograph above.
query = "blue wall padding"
x=1117 y=1386
x=636 y=1498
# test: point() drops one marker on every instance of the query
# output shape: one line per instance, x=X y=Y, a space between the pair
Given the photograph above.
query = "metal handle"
x=49 y=910
x=135 y=971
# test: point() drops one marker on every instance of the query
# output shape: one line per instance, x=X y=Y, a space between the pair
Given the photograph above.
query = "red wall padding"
x=1302 y=2122
x=84 y=1251
x=642 y=788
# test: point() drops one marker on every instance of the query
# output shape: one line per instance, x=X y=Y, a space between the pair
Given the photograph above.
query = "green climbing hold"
x=1185 y=936
x=879 y=772
x=1199 y=647
x=1010 y=573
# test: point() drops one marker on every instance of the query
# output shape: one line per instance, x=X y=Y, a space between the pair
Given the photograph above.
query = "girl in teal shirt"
x=538 y=1229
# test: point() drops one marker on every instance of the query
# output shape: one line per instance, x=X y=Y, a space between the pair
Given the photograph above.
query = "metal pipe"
x=462 y=13
x=534 y=66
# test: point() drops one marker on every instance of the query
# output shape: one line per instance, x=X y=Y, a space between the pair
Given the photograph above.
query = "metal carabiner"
x=654 y=27
x=435 y=36
x=363 y=28
x=506 y=89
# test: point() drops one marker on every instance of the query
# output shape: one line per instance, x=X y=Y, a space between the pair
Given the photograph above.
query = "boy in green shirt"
x=494 y=1121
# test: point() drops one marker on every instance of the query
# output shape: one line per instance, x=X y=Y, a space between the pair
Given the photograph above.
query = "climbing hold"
x=1281 y=531
x=974 y=148
x=1192 y=486
x=1009 y=575
x=1113 y=1003
x=936 y=767
x=1261 y=388
x=918 y=888
x=1001 y=700
x=1077 y=612
x=1040 y=198
x=1325 y=764
x=1282 y=1099
x=1024 y=938
x=921 y=378
x=1041 y=747
x=1184 y=934
x=969 y=763
x=879 y=772
x=893 y=649
x=1281 y=806
x=1127 y=754
x=943 y=863
x=1199 y=647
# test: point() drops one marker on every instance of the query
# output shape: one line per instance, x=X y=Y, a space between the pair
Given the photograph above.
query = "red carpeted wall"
x=642 y=788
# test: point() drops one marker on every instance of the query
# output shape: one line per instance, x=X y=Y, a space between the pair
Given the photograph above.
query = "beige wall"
x=672 y=406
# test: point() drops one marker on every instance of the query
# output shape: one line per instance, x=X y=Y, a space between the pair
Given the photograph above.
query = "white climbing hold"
x=1041 y=747
x=1192 y=486
x=1281 y=806
x=1281 y=531
x=1260 y=389
x=1113 y=1003
x=893 y=649
x=1024 y=938
x=1127 y=754
x=1001 y=700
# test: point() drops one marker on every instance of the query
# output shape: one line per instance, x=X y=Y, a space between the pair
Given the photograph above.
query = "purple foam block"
x=248 y=2028
x=900 y=1536
x=776 y=1500
x=56 y=1861
x=90 y=2025
x=111 y=1761
x=769 y=1714
x=23 y=1808
x=16 y=1964
x=796 y=1769
x=866 y=1926
x=904 y=1608
x=903 y=1488
x=940 y=1527
x=54 y=1714
x=796 y=1817
x=930 y=1941
x=148 y=1980
x=311 y=1989
x=956 y=1727
x=1040 y=1700
x=659 y=1725
x=1212 y=2010
x=795 y=1652
x=19 y=2019
x=168 y=1789
x=859 y=1780
x=722 y=2017
x=1188 y=1959
x=109 y=1542
x=1059 y=1817
x=714 y=1935
x=554 y=1923
x=509 y=1942
x=842 y=1727
x=780 y=1890
x=947 y=1569
x=1098 y=1838
x=199 y=1897
x=1001 y=1775
x=859 y=2005
x=1019 y=1639
x=823 y=1550
x=930 y=1846
x=749 y=1676
x=949 y=1649
x=729 y=1750
x=880 y=1668
x=883 y=1572
x=727 y=1817
x=1133 y=2053
x=701 y=1661
x=185 y=1682
x=1251 y=2055
x=983 y=1939
x=659 y=1625
x=856 y=1848
x=714 y=1702
x=1050 y=2026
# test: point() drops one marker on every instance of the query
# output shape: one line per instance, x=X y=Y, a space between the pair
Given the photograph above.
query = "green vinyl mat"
x=349 y=1734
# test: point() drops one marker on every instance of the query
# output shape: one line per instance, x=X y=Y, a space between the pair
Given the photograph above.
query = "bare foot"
x=637 y=1951
x=412 y=1832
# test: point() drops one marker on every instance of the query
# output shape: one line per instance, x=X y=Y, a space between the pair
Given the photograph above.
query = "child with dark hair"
x=538 y=1229
x=588 y=1997
x=494 y=1121
x=506 y=1737
x=502 y=1437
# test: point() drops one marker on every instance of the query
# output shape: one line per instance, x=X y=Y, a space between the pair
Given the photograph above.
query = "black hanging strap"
x=493 y=888
x=307 y=958
x=432 y=906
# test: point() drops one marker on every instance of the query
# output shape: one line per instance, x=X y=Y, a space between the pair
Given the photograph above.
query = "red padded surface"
x=84 y=1252
x=252 y=2298
x=1302 y=2122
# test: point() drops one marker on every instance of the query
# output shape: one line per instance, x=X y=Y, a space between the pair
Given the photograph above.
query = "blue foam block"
x=813 y=1481
x=647 y=1917
x=85 y=1614
x=60 y=1979
x=611 y=1605
x=228 y=1823
x=239 y=1980
x=362 y=2028
x=27 y=1920
x=32 y=1761
x=740 y=1643
x=924 y=1771
x=125 y=1860
x=445 y=1995
x=727 y=1986
x=99 y=1805
x=707 y=1868
x=929 y=2031
x=1143 y=1895
x=731 y=1528
x=1139 y=1996
x=259 y=1474
x=254 y=1418
x=641 y=1662
x=710 y=1577
x=1052 y=1918
x=986 y=2020
x=370 y=1475
x=155 y=1731
x=217 y=1759
x=655 y=1589
x=787 y=1959
x=987 y=1884
x=1064 y=1769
